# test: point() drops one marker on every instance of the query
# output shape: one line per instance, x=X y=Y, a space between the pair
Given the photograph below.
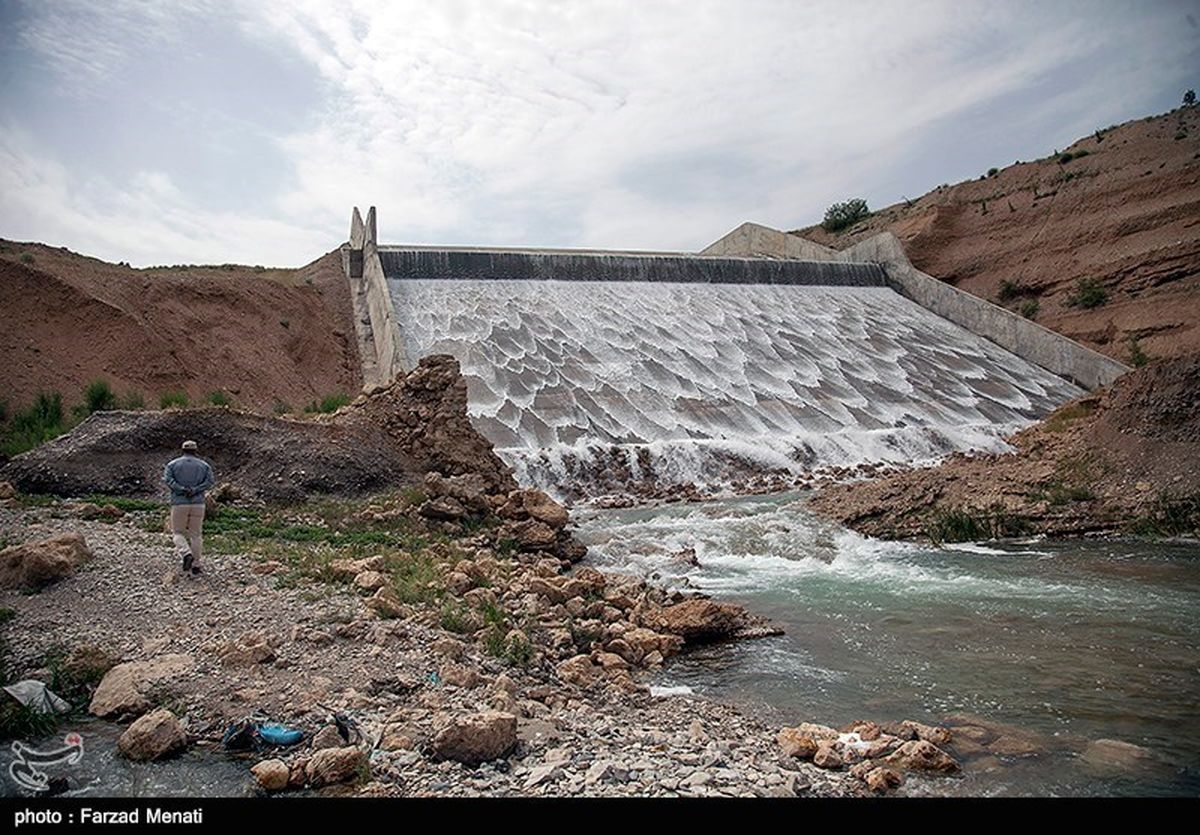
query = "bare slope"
x=1123 y=211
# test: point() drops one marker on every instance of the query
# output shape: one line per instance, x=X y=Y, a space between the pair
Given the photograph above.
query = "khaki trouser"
x=186 y=521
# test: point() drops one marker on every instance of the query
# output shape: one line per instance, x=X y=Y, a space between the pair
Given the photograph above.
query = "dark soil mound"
x=388 y=438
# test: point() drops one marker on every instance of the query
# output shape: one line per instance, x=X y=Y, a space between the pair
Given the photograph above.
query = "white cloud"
x=656 y=125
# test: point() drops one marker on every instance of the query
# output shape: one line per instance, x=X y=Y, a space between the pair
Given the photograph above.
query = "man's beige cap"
x=189 y=445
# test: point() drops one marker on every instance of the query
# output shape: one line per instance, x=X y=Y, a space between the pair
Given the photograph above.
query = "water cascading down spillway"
x=593 y=372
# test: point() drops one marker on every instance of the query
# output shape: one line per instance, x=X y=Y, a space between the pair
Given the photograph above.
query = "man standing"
x=188 y=476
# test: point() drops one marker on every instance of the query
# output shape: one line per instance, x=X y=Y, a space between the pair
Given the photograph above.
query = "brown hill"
x=1126 y=460
x=258 y=335
x=1120 y=208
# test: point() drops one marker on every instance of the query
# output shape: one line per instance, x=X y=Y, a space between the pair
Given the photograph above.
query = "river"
x=1068 y=642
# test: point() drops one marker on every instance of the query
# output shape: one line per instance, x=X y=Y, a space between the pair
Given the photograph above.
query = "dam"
x=591 y=371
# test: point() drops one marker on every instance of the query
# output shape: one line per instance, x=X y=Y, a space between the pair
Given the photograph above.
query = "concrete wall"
x=1028 y=340
x=381 y=350
x=756 y=240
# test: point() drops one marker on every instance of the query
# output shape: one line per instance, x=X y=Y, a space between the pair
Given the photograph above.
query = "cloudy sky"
x=166 y=131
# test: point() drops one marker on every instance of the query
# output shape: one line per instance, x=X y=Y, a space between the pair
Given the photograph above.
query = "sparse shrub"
x=98 y=397
x=992 y=172
x=134 y=401
x=455 y=619
x=220 y=398
x=971 y=525
x=281 y=408
x=26 y=257
x=1189 y=98
x=1065 y=158
x=1030 y=309
x=1172 y=514
x=839 y=216
x=1009 y=290
x=1137 y=357
x=173 y=400
x=329 y=403
x=1089 y=293
x=1180 y=135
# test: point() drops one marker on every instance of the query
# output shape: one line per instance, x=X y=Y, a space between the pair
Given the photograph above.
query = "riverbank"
x=1124 y=461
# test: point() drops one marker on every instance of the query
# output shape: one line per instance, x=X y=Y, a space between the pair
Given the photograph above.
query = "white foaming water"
x=602 y=383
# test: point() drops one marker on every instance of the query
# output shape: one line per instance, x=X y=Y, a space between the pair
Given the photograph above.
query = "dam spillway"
x=606 y=369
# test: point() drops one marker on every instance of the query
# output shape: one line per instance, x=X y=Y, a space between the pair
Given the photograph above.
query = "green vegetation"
x=281 y=408
x=329 y=403
x=1070 y=414
x=972 y=525
x=220 y=398
x=1189 y=98
x=41 y=422
x=1030 y=309
x=992 y=172
x=98 y=397
x=26 y=258
x=1063 y=159
x=1009 y=290
x=1089 y=293
x=840 y=216
x=1172 y=514
x=124 y=503
x=173 y=400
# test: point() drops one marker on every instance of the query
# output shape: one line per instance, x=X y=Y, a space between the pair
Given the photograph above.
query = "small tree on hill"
x=841 y=215
x=1189 y=98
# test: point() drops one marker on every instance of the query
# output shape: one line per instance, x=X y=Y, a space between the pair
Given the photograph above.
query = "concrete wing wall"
x=380 y=348
x=1026 y=339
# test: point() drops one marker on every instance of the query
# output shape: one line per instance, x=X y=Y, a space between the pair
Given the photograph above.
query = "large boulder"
x=1112 y=756
x=478 y=738
x=154 y=736
x=700 y=620
x=272 y=775
x=795 y=743
x=33 y=565
x=335 y=765
x=129 y=689
x=535 y=504
x=920 y=755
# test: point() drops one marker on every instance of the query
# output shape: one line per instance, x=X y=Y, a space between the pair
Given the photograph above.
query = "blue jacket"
x=184 y=472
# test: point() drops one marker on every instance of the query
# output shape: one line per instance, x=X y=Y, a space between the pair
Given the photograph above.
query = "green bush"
x=26 y=258
x=281 y=408
x=173 y=400
x=1030 y=309
x=329 y=403
x=42 y=421
x=842 y=215
x=98 y=397
x=1137 y=357
x=1089 y=293
x=1009 y=290
x=992 y=172
x=220 y=398
x=134 y=401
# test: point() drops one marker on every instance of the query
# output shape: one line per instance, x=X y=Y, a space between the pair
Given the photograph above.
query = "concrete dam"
x=601 y=369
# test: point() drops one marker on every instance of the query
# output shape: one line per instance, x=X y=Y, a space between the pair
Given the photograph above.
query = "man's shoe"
x=187 y=563
x=195 y=570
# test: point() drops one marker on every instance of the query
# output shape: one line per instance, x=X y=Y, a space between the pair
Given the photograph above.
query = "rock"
x=395 y=739
x=299 y=773
x=328 y=737
x=33 y=565
x=127 y=688
x=370 y=580
x=443 y=507
x=272 y=775
x=346 y=570
x=817 y=732
x=975 y=733
x=532 y=535
x=248 y=650
x=386 y=604
x=7 y=491
x=335 y=765
x=1112 y=756
x=539 y=506
x=700 y=620
x=477 y=738
x=154 y=736
x=547 y=773
x=827 y=755
x=883 y=779
x=578 y=670
x=929 y=733
x=794 y=743
x=458 y=675
x=600 y=771
x=919 y=755
x=458 y=582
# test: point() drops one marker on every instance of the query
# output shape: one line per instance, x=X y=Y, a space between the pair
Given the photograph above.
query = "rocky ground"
x=1119 y=208
x=1121 y=461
